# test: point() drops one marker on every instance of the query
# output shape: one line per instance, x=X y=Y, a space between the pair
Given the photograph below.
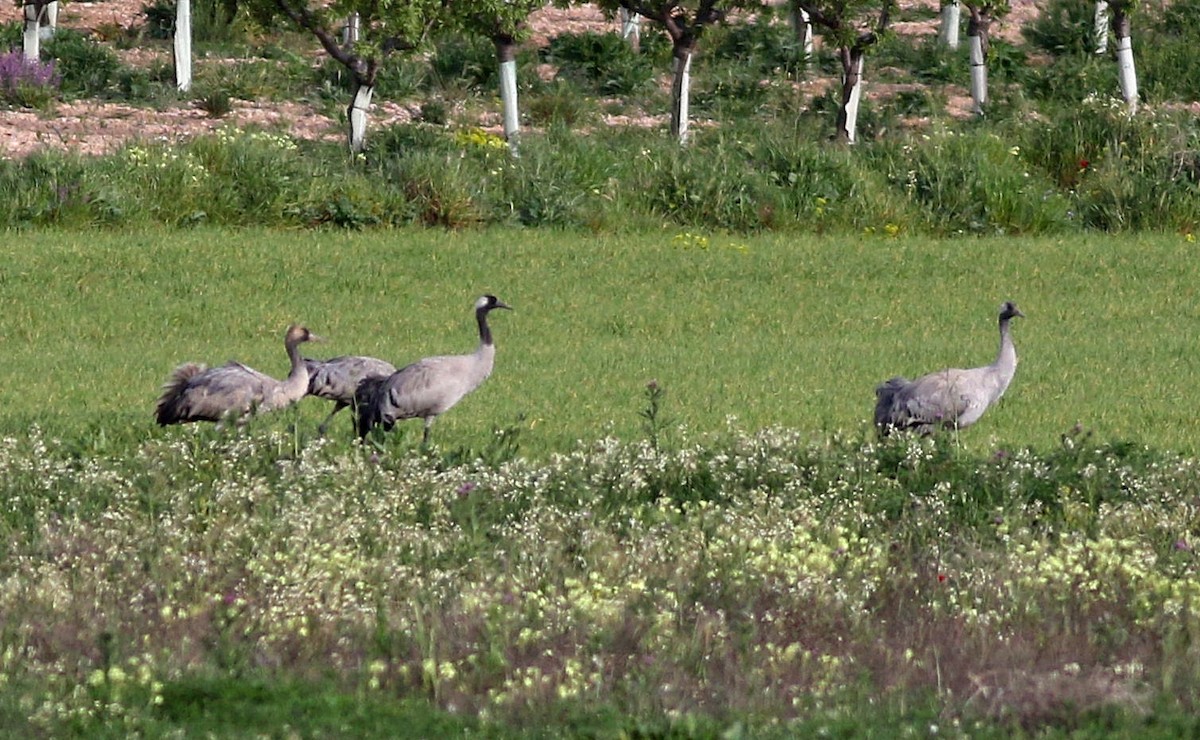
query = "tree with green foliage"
x=684 y=21
x=983 y=12
x=504 y=22
x=385 y=28
x=852 y=27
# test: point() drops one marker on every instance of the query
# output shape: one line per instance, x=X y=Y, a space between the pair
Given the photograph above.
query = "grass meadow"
x=791 y=331
x=578 y=556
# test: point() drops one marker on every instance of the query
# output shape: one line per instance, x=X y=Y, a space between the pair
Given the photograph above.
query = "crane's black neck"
x=485 y=332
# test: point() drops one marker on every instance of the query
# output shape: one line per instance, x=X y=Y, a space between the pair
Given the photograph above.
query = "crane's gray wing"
x=426 y=387
x=944 y=398
x=338 y=378
x=218 y=391
x=937 y=399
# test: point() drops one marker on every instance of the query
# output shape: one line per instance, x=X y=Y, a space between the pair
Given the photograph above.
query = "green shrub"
x=764 y=45
x=471 y=61
x=975 y=183
x=87 y=67
x=927 y=59
x=46 y=188
x=559 y=103
x=603 y=61
x=1123 y=171
x=399 y=76
x=439 y=189
x=709 y=184
x=213 y=21
x=1165 y=43
x=1062 y=28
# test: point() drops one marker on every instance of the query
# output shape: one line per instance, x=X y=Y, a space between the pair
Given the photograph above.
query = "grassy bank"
x=775 y=331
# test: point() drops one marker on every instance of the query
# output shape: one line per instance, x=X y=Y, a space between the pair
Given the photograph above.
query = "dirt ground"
x=93 y=128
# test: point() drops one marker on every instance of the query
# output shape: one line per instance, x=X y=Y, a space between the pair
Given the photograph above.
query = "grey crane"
x=951 y=398
x=431 y=386
x=232 y=391
x=338 y=378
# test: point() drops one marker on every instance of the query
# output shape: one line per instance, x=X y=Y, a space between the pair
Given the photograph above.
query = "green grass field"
x=775 y=331
x=789 y=581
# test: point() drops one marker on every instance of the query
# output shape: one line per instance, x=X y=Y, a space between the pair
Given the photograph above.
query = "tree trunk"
x=1126 y=72
x=951 y=12
x=852 y=69
x=506 y=54
x=352 y=30
x=183 y=45
x=31 y=40
x=360 y=106
x=631 y=28
x=49 y=21
x=1100 y=26
x=680 y=90
x=803 y=25
x=977 y=40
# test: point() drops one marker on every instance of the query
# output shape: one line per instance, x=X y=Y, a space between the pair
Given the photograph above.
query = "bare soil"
x=94 y=127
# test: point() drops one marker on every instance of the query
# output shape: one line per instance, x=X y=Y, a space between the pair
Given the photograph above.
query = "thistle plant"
x=653 y=421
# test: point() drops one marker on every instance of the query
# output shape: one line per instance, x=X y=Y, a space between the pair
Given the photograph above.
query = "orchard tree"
x=684 y=21
x=181 y=45
x=504 y=22
x=1100 y=26
x=40 y=20
x=1120 y=11
x=948 y=33
x=983 y=12
x=384 y=28
x=852 y=27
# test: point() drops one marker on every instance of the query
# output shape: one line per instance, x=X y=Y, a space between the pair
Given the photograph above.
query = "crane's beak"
x=315 y=337
x=502 y=304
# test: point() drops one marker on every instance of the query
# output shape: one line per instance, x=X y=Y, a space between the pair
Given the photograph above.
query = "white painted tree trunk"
x=979 y=84
x=853 y=100
x=680 y=91
x=508 y=102
x=802 y=24
x=806 y=36
x=1100 y=26
x=359 y=108
x=183 y=45
x=352 y=30
x=951 y=13
x=31 y=41
x=631 y=28
x=49 y=21
x=1126 y=72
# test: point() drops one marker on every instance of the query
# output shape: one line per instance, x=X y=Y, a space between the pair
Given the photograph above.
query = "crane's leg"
x=325 y=424
x=425 y=436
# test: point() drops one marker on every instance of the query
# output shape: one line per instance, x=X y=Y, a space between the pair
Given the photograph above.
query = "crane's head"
x=1009 y=310
x=297 y=334
x=489 y=302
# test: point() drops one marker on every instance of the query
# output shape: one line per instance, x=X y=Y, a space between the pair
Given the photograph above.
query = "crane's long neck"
x=485 y=332
x=1006 y=357
x=296 y=384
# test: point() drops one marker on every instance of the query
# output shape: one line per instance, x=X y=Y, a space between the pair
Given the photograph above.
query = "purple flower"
x=20 y=76
x=466 y=488
x=1182 y=544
